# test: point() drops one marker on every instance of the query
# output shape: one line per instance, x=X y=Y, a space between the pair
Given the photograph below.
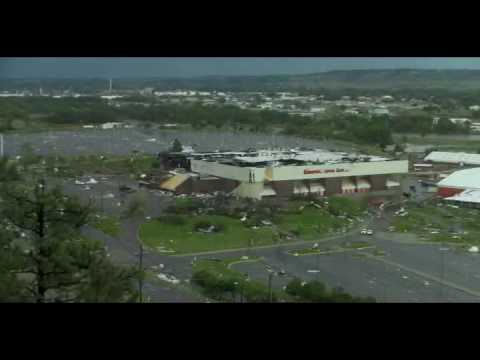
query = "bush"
x=212 y=284
x=338 y=205
x=172 y=220
x=315 y=291
x=185 y=206
x=220 y=227
x=202 y=224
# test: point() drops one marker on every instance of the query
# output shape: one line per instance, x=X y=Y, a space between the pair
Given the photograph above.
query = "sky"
x=193 y=67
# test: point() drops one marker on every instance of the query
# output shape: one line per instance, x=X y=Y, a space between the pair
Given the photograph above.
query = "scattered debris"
x=244 y=257
x=168 y=278
x=208 y=230
x=473 y=249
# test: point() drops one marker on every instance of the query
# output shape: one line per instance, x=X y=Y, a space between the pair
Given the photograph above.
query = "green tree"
x=136 y=206
x=28 y=156
x=8 y=170
x=398 y=148
x=55 y=262
x=177 y=146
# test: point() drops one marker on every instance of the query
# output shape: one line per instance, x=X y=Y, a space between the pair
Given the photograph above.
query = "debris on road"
x=168 y=278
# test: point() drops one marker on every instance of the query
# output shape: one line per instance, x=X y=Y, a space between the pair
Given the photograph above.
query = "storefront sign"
x=319 y=171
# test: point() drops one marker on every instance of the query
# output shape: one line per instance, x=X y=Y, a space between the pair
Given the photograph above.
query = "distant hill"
x=352 y=79
x=332 y=80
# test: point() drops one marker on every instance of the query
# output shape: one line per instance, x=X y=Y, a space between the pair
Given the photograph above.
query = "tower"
x=110 y=86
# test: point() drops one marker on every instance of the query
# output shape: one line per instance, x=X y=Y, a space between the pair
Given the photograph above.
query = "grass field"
x=311 y=223
x=442 y=224
x=183 y=238
x=178 y=236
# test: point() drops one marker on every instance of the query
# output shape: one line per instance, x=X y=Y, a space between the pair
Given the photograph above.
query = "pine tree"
x=46 y=250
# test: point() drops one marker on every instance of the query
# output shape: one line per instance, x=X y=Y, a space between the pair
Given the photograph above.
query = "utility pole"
x=140 y=279
x=442 y=272
x=1 y=145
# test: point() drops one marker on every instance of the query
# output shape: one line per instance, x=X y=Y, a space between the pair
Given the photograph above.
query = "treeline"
x=359 y=129
x=209 y=116
x=424 y=125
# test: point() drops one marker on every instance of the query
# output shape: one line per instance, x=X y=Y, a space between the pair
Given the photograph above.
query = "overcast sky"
x=191 y=67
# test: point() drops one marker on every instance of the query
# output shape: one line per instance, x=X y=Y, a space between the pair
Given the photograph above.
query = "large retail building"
x=257 y=174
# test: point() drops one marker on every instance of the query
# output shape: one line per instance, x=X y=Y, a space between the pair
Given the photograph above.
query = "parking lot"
x=362 y=275
x=124 y=141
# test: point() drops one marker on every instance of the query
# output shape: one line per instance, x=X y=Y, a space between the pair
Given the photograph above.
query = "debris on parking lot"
x=108 y=196
x=473 y=249
x=426 y=283
x=404 y=277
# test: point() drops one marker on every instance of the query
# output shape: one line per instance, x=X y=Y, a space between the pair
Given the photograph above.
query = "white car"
x=364 y=232
x=369 y=232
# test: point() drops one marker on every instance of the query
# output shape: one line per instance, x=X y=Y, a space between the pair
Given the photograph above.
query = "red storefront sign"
x=319 y=171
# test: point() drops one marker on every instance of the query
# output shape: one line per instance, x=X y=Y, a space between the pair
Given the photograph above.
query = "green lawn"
x=309 y=251
x=424 y=221
x=178 y=234
x=182 y=238
x=312 y=223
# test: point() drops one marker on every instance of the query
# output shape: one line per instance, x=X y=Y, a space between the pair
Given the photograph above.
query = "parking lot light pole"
x=235 y=284
x=270 y=292
x=243 y=287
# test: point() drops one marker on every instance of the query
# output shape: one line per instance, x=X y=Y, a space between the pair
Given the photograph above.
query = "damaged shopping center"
x=283 y=173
